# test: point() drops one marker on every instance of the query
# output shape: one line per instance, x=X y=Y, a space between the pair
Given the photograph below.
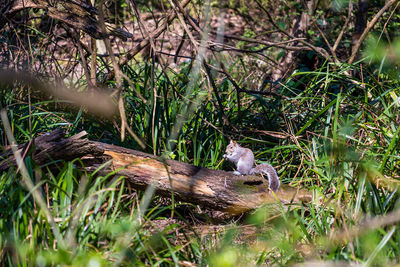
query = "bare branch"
x=339 y=38
x=370 y=25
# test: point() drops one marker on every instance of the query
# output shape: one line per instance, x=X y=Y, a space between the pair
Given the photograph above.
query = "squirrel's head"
x=231 y=148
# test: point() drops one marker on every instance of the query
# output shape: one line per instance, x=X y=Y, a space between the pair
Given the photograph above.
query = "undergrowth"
x=341 y=144
x=329 y=132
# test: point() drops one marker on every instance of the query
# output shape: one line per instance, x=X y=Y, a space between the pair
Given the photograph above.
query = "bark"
x=51 y=147
x=361 y=20
x=219 y=190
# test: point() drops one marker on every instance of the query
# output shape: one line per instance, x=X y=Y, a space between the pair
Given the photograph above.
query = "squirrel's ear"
x=231 y=142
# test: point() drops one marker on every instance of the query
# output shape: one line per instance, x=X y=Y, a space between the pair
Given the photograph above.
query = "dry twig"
x=370 y=25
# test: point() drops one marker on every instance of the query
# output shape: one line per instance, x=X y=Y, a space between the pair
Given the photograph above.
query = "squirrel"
x=244 y=161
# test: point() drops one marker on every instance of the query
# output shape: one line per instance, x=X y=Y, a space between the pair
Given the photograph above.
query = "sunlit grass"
x=340 y=162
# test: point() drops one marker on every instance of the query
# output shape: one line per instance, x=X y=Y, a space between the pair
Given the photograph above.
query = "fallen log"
x=214 y=189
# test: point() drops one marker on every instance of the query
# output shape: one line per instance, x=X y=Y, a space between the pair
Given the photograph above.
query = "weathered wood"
x=215 y=189
x=52 y=146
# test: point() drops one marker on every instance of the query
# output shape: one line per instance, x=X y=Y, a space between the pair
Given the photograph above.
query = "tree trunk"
x=361 y=21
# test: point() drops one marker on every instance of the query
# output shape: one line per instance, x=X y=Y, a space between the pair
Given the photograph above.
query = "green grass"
x=339 y=153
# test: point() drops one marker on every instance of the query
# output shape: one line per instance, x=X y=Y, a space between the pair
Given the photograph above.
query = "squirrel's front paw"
x=224 y=156
x=237 y=173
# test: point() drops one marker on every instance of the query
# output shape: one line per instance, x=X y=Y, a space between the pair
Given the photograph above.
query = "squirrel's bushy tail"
x=273 y=178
